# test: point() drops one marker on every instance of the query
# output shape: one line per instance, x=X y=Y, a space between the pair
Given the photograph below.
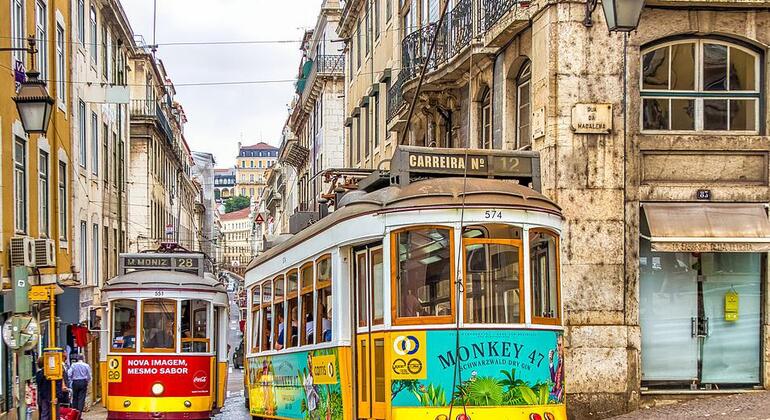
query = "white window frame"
x=83 y=252
x=41 y=35
x=18 y=37
x=524 y=80
x=698 y=95
x=20 y=221
x=44 y=193
x=94 y=143
x=94 y=33
x=61 y=67
x=82 y=140
x=63 y=199
x=95 y=230
x=82 y=22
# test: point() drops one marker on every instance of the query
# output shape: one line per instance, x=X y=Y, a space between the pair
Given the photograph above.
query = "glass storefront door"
x=700 y=317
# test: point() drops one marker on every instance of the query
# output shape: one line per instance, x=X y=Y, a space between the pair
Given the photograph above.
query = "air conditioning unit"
x=45 y=253
x=22 y=251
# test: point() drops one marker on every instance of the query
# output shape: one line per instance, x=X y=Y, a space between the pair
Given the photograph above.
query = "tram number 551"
x=493 y=214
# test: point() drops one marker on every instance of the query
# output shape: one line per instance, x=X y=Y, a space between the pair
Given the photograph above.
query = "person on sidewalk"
x=80 y=374
x=44 y=396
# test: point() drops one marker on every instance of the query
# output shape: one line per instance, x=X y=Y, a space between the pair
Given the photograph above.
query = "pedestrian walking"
x=44 y=396
x=80 y=374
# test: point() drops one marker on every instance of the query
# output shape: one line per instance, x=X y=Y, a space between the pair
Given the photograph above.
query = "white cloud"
x=220 y=115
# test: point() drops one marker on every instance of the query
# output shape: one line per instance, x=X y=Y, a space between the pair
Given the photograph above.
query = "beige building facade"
x=251 y=167
x=654 y=144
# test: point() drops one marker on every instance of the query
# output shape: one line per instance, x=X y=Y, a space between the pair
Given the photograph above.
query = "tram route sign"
x=114 y=369
x=188 y=263
x=410 y=163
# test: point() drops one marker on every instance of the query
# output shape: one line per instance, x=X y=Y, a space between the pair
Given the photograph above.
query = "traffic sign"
x=41 y=293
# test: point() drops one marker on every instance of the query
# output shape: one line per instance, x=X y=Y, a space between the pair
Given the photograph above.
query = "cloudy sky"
x=220 y=116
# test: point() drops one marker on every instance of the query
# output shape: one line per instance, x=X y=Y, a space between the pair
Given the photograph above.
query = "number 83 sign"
x=114 y=369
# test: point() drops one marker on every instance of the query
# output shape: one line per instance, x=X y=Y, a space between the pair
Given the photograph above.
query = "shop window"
x=124 y=325
x=323 y=317
x=307 y=327
x=423 y=275
x=158 y=325
x=195 y=321
x=278 y=338
x=544 y=269
x=700 y=85
x=292 y=303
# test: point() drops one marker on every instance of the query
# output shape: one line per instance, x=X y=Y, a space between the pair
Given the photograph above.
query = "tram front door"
x=370 y=337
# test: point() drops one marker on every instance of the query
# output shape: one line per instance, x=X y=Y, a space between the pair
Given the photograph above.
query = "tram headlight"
x=187 y=404
x=157 y=389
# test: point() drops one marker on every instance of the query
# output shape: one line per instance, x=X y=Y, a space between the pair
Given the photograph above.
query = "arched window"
x=700 y=85
x=485 y=137
x=523 y=108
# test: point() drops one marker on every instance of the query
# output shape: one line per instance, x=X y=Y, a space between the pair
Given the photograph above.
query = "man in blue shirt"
x=80 y=374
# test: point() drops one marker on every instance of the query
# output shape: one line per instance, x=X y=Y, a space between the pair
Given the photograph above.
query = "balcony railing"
x=149 y=109
x=467 y=19
x=330 y=64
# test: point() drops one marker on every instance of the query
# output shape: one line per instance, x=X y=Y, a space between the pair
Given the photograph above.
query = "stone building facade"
x=654 y=144
x=251 y=165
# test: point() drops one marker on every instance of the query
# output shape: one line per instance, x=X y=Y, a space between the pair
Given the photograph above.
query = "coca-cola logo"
x=200 y=379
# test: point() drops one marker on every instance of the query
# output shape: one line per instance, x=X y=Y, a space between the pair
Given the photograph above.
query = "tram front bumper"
x=166 y=408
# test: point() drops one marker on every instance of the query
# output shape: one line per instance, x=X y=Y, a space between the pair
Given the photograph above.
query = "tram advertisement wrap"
x=302 y=385
x=181 y=376
x=487 y=368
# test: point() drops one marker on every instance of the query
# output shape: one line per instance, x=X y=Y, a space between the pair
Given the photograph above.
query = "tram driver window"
x=292 y=303
x=123 y=325
x=195 y=321
x=424 y=261
x=544 y=266
x=493 y=274
x=278 y=338
x=158 y=325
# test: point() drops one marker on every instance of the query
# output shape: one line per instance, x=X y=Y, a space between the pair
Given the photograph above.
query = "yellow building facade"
x=252 y=165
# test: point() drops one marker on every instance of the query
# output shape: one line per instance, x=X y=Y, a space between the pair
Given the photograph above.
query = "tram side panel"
x=301 y=385
x=159 y=384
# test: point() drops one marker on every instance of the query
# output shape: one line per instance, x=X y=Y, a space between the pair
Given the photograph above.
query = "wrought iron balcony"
x=146 y=108
x=468 y=19
x=330 y=64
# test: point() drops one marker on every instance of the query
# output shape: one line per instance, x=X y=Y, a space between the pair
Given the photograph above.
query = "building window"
x=94 y=40
x=105 y=52
x=60 y=64
x=376 y=117
x=41 y=33
x=523 y=97
x=376 y=7
x=95 y=252
x=84 y=253
x=700 y=85
x=17 y=29
x=94 y=143
x=83 y=154
x=368 y=33
x=20 y=184
x=82 y=21
x=63 y=198
x=43 y=193
x=388 y=10
x=359 y=34
x=485 y=136
x=106 y=152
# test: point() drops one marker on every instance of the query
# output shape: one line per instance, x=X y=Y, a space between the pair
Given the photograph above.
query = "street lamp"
x=32 y=101
x=34 y=104
x=620 y=15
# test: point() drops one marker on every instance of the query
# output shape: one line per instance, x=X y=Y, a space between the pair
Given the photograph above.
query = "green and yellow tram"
x=439 y=299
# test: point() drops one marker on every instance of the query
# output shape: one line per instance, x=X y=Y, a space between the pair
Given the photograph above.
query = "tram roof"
x=165 y=279
x=429 y=193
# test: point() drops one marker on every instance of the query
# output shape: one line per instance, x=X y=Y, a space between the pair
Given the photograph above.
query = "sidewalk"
x=749 y=406
x=97 y=412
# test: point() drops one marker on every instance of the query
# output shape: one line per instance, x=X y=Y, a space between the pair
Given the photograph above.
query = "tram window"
x=424 y=261
x=279 y=339
x=123 y=325
x=306 y=326
x=266 y=314
x=378 y=300
x=363 y=297
x=544 y=266
x=195 y=317
x=256 y=302
x=492 y=231
x=324 y=318
x=493 y=285
x=158 y=325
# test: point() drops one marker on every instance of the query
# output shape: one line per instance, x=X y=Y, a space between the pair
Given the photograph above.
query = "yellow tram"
x=433 y=298
x=165 y=351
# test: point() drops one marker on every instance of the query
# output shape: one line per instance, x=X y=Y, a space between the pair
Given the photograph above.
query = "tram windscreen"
x=424 y=275
x=123 y=324
x=158 y=316
x=195 y=314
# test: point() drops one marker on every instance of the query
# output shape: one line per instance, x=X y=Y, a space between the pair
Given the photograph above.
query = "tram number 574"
x=493 y=214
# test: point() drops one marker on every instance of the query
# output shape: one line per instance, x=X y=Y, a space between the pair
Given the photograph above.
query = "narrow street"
x=234 y=404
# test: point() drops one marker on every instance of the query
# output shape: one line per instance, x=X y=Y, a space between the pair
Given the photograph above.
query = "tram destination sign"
x=189 y=263
x=412 y=162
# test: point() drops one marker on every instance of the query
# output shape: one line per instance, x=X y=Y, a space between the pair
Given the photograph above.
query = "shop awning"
x=707 y=227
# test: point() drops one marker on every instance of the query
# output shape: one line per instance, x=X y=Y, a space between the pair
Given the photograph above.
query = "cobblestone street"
x=753 y=406
x=234 y=408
